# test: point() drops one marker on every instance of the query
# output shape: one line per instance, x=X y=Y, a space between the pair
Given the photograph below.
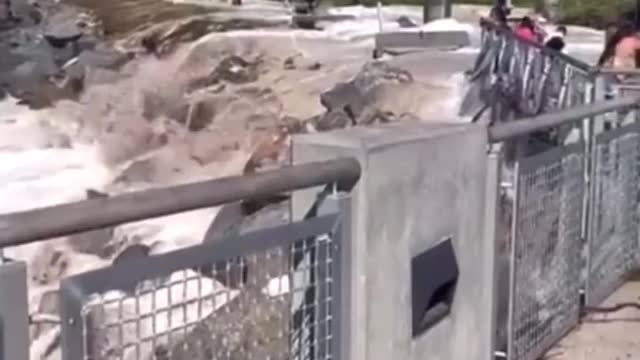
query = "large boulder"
x=235 y=69
x=406 y=22
x=353 y=102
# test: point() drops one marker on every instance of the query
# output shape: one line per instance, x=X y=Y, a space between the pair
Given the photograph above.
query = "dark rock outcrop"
x=406 y=22
x=45 y=61
x=251 y=326
x=235 y=69
x=354 y=102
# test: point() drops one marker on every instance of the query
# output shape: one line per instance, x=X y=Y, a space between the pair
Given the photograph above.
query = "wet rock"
x=251 y=326
x=289 y=63
x=344 y=97
x=353 y=102
x=372 y=115
x=235 y=69
x=38 y=80
x=405 y=22
x=376 y=73
x=33 y=63
x=331 y=120
x=95 y=194
x=314 y=66
x=293 y=125
x=200 y=114
x=255 y=325
x=62 y=40
x=48 y=265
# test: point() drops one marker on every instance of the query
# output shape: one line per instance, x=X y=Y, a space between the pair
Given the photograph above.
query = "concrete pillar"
x=436 y=9
x=421 y=184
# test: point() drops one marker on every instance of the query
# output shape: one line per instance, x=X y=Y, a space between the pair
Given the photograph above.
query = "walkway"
x=530 y=81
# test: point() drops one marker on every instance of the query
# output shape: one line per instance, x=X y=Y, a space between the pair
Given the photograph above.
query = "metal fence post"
x=599 y=93
x=512 y=262
x=14 y=311
x=340 y=292
x=492 y=203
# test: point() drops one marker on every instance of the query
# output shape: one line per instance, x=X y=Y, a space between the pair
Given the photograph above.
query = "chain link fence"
x=545 y=253
x=613 y=243
x=272 y=294
x=569 y=213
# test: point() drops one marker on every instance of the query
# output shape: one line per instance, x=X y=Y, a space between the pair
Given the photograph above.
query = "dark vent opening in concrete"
x=434 y=276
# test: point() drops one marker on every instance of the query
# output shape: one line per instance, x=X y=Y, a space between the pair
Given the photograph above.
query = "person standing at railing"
x=555 y=40
x=621 y=48
x=526 y=30
x=620 y=53
x=500 y=12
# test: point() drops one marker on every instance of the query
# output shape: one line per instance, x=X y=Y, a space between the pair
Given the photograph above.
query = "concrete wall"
x=400 y=41
x=420 y=183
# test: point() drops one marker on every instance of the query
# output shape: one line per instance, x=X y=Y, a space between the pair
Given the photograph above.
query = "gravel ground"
x=609 y=336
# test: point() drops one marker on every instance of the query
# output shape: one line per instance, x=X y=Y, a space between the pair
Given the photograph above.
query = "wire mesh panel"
x=273 y=294
x=613 y=240
x=546 y=248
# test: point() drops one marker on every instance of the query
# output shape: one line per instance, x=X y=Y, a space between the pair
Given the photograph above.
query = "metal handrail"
x=504 y=131
x=613 y=71
x=580 y=65
x=61 y=220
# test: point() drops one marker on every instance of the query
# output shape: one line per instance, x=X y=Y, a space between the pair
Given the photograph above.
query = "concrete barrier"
x=400 y=41
x=436 y=9
x=421 y=185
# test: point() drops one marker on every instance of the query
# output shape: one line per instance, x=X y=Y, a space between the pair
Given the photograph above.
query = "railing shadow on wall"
x=286 y=305
x=567 y=224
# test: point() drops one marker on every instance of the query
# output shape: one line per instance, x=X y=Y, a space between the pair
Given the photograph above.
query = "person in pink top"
x=621 y=48
x=526 y=29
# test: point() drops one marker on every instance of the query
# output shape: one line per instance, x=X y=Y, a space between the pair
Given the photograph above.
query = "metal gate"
x=182 y=305
x=546 y=250
x=613 y=240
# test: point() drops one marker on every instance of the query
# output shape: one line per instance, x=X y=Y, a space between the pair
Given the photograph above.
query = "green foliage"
x=421 y=2
x=595 y=13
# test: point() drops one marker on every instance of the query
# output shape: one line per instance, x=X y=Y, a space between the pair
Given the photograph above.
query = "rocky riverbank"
x=170 y=94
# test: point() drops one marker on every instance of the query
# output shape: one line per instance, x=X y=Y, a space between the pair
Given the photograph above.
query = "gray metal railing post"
x=492 y=203
x=14 y=311
x=341 y=275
